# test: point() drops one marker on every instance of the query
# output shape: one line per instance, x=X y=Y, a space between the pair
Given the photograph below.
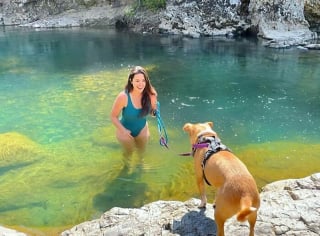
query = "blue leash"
x=162 y=130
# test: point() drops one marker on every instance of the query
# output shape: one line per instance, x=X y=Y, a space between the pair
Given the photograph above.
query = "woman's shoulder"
x=122 y=98
x=123 y=94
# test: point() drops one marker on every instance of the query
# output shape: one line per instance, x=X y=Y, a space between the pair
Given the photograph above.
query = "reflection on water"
x=60 y=163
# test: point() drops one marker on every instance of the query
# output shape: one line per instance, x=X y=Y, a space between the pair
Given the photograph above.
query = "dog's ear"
x=187 y=127
x=210 y=123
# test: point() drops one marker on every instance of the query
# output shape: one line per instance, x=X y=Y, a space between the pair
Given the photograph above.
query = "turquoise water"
x=59 y=161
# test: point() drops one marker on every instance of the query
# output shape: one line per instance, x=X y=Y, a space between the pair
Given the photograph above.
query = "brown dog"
x=214 y=163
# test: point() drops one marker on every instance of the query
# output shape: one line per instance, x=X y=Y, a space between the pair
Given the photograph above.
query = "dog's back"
x=237 y=192
x=235 y=184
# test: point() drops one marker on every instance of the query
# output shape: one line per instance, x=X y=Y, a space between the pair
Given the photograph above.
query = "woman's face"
x=138 y=82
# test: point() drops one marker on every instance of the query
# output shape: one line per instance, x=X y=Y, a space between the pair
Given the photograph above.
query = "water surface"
x=60 y=163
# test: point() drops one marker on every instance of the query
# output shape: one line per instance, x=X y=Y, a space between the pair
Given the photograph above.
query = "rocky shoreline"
x=288 y=207
x=280 y=24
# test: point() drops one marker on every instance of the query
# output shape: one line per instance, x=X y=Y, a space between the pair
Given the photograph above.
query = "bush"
x=153 y=4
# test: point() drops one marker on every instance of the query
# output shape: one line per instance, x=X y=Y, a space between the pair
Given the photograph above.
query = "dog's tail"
x=246 y=209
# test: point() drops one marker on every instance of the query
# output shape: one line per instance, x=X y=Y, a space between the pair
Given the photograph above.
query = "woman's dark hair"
x=147 y=92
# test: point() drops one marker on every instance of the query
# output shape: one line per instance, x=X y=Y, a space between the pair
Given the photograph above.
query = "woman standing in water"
x=130 y=110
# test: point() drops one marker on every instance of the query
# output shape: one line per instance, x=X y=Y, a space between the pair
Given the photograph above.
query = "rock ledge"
x=288 y=207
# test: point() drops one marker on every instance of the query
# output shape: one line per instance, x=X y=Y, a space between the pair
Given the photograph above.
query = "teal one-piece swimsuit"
x=131 y=118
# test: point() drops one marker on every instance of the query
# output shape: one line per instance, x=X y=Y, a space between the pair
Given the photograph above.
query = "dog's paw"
x=202 y=206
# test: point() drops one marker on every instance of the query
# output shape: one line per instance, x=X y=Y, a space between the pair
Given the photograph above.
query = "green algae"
x=61 y=164
x=81 y=178
x=57 y=190
x=278 y=160
x=13 y=65
x=15 y=147
x=78 y=179
x=67 y=179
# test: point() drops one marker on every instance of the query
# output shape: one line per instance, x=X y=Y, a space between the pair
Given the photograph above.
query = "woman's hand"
x=126 y=132
x=154 y=113
x=154 y=106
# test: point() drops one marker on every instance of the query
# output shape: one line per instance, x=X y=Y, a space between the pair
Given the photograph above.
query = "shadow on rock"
x=195 y=223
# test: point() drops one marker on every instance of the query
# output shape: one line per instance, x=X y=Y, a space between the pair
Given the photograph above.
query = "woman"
x=130 y=110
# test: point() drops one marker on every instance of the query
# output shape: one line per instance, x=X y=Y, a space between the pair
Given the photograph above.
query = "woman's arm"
x=154 y=101
x=119 y=103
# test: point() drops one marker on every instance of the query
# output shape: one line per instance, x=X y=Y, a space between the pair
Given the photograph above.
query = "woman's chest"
x=135 y=101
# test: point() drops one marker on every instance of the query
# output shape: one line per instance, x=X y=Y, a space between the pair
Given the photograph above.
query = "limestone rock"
x=202 y=18
x=10 y=232
x=312 y=14
x=158 y=218
x=85 y=17
x=288 y=207
x=281 y=21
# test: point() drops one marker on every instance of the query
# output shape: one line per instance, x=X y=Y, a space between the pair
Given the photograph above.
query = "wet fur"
x=237 y=192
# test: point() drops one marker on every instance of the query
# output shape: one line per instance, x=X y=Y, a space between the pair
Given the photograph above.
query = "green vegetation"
x=140 y=5
x=152 y=5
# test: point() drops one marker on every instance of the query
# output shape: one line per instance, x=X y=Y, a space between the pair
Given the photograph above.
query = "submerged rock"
x=288 y=207
x=15 y=148
x=282 y=22
x=313 y=46
x=10 y=232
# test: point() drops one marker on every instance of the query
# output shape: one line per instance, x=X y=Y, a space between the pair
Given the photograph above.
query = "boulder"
x=312 y=14
x=282 y=22
x=10 y=232
x=202 y=18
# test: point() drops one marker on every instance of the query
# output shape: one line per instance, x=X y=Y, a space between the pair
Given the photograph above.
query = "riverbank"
x=280 y=25
x=288 y=207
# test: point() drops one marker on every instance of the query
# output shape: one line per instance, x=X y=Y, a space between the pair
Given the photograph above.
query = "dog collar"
x=200 y=145
x=194 y=148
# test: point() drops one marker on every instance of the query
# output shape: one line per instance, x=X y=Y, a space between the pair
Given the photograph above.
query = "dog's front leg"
x=200 y=183
x=202 y=190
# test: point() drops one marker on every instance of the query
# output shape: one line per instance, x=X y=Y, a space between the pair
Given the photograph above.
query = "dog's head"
x=199 y=129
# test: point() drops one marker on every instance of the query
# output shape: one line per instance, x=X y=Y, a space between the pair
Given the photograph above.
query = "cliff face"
x=287 y=22
x=22 y=12
x=312 y=14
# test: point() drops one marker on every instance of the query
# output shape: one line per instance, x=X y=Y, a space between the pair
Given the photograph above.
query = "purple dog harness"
x=213 y=144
